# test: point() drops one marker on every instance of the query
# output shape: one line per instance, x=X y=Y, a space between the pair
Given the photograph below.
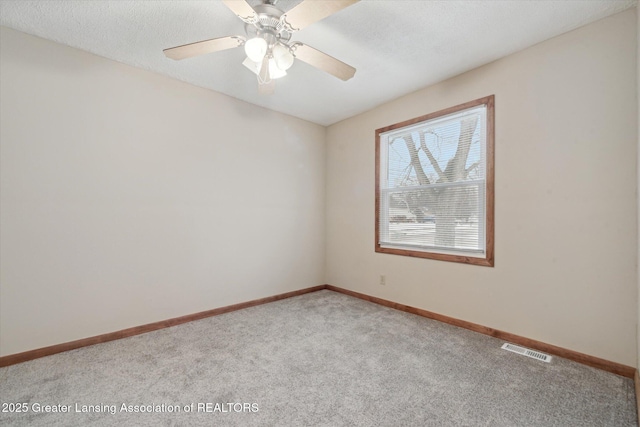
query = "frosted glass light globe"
x=274 y=71
x=283 y=57
x=255 y=48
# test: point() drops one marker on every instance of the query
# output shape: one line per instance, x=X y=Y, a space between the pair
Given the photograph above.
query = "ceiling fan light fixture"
x=282 y=57
x=256 y=48
x=274 y=71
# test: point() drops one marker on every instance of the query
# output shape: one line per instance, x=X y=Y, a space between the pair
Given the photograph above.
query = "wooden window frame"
x=488 y=259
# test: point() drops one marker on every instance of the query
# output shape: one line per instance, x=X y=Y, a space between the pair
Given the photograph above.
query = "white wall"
x=128 y=198
x=566 y=210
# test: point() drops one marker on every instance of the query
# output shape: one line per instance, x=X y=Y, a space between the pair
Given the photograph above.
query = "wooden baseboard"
x=12 y=359
x=596 y=362
x=616 y=368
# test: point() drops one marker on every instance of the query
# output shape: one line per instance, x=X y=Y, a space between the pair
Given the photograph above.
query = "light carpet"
x=320 y=359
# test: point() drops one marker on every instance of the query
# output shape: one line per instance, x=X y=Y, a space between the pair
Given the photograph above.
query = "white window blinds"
x=432 y=184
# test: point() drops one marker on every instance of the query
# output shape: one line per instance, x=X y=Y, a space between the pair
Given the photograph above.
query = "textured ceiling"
x=396 y=46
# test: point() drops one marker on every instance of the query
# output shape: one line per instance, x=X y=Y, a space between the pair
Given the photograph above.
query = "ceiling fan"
x=270 y=51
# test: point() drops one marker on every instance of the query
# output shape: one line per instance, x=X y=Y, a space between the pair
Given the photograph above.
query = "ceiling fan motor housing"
x=268 y=25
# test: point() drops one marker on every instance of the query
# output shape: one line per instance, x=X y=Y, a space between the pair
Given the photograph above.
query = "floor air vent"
x=526 y=352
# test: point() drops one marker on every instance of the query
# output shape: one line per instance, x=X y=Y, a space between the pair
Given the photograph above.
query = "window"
x=434 y=185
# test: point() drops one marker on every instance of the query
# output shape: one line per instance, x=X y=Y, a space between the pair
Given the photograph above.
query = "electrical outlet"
x=383 y=280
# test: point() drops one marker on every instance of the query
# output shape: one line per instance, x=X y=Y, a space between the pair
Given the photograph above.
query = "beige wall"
x=128 y=198
x=566 y=246
x=638 y=172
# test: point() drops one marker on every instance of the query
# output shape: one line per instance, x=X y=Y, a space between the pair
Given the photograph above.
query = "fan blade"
x=263 y=73
x=242 y=9
x=205 y=46
x=310 y=11
x=323 y=61
x=267 y=88
x=266 y=85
